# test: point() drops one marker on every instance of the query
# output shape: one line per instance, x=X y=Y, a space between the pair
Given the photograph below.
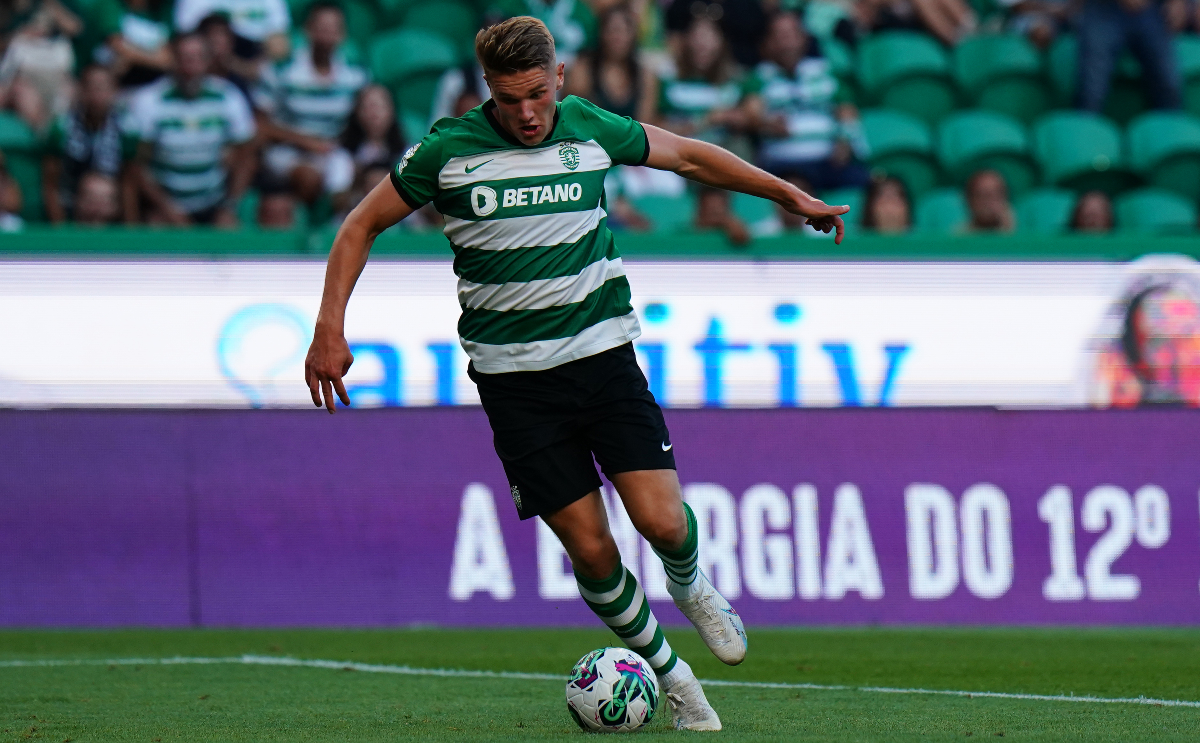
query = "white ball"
x=612 y=690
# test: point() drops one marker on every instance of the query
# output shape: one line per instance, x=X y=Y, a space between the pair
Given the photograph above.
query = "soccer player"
x=548 y=324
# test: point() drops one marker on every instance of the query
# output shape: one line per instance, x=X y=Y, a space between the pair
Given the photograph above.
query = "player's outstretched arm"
x=720 y=168
x=329 y=356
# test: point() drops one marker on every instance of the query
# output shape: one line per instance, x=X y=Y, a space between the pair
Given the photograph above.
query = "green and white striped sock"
x=680 y=564
x=620 y=602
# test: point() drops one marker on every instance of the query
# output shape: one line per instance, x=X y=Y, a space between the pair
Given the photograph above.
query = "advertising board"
x=219 y=334
x=402 y=516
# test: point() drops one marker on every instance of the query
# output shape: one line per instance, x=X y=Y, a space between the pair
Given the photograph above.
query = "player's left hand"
x=822 y=216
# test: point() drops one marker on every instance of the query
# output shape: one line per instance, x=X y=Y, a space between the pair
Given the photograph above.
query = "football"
x=612 y=690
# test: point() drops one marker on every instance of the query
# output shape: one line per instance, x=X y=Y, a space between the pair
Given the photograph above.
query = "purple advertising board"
x=402 y=516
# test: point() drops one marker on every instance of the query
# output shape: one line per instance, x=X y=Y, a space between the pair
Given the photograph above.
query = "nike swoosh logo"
x=667 y=447
x=477 y=167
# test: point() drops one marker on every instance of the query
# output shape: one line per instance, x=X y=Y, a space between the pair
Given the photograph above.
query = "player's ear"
x=560 y=75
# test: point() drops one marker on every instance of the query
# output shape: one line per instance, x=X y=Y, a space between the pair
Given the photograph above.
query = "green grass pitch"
x=233 y=702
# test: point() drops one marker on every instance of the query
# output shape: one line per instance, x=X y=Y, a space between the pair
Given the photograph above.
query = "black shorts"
x=548 y=424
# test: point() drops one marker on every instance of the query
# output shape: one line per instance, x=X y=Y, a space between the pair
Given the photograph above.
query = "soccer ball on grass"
x=612 y=690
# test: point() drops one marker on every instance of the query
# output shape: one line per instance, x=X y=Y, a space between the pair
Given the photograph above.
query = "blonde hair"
x=515 y=45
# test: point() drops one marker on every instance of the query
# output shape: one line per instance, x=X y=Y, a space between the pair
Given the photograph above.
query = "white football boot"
x=716 y=621
x=690 y=709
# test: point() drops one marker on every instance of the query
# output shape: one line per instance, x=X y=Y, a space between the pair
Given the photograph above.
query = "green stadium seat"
x=413 y=126
x=1164 y=148
x=752 y=209
x=906 y=71
x=941 y=212
x=841 y=61
x=902 y=147
x=392 y=12
x=969 y=141
x=1045 y=211
x=1003 y=73
x=1080 y=151
x=667 y=213
x=410 y=62
x=456 y=21
x=1125 y=97
x=22 y=157
x=1154 y=210
x=1187 y=52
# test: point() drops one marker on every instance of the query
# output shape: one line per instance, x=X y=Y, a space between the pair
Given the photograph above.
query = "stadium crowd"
x=284 y=113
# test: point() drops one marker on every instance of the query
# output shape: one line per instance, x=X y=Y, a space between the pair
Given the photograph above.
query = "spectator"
x=305 y=102
x=261 y=26
x=182 y=125
x=10 y=200
x=1039 y=20
x=742 y=23
x=948 y=20
x=612 y=76
x=987 y=203
x=136 y=36
x=35 y=71
x=277 y=210
x=792 y=101
x=368 y=177
x=88 y=139
x=97 y=203
x=571 y=22
x=1182 y=16
x=700 y=100
x=372 y=135
x=887 y=210
x=714 y=211
x=1106 y=29
x=1093 y=213
x=217 y=31
x=459 y=90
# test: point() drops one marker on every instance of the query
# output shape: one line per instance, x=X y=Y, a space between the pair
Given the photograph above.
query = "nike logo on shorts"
x=666 y=446
x=477 y=167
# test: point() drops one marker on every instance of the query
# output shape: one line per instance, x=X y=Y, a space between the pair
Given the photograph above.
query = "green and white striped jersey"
x=302 y=99
x=188 y=135
x=540 y=281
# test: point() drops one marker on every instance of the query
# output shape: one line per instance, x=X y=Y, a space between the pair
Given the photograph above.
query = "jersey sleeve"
x=266 y=93
x=241 y=120
x=621 y=137
x=416 y=175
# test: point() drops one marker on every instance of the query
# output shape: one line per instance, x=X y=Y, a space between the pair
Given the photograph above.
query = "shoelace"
x=712 y=618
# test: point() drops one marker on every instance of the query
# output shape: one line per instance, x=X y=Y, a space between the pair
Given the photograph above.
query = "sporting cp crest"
x=569 y=154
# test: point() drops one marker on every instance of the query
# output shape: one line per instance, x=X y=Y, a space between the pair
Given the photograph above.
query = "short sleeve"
x=241 y=120
x=138 y=122
x=621 y=137
x=266 y=93
x=416 y=175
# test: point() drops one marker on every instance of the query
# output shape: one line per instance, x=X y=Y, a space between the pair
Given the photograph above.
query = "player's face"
x=525 y=101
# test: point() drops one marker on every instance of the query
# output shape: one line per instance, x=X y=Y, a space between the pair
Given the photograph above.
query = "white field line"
x=335 y=665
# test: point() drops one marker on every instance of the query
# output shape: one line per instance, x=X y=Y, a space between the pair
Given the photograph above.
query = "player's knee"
x=664 y=533
x=595 y=559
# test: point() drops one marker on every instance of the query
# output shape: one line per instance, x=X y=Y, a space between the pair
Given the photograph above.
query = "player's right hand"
x=329 y=359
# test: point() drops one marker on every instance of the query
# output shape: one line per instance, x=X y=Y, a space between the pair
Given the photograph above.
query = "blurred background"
x=908 y=427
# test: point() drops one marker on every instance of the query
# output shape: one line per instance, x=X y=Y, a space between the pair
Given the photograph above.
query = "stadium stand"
x=933 y=114
x=906 y=71
x=902 y=146
x=969 y=141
